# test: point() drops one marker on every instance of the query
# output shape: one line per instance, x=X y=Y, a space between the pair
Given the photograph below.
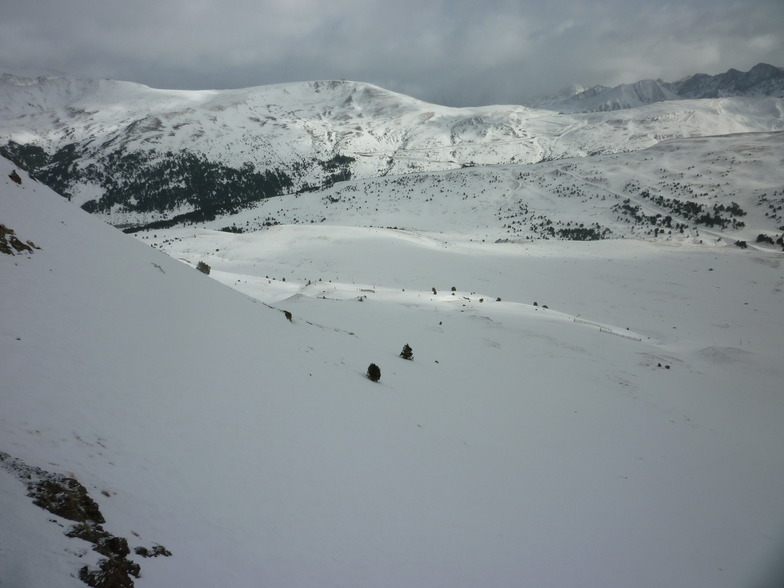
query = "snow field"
x=518 y=448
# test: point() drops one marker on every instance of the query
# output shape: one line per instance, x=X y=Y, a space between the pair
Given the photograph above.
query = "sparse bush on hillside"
x=27 y=157
x=373 y=372
x=203 y=268
x=762 y=238
x=407 y=352
x=581 y=234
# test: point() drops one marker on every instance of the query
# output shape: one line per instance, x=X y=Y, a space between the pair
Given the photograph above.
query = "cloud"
x=458 y=52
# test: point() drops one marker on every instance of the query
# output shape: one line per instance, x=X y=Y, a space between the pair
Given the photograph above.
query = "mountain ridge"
x=135 y=155
x=761 y=80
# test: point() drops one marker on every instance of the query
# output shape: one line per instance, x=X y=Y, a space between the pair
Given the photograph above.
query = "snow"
x=289 y=127
x=515 y=202
x=523 y=445
x=761 y=80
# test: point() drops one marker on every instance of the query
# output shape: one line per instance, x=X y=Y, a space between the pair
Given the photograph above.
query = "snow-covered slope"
x=760 y=80
x=629 y=434
x=133 y=154
x=718 y=190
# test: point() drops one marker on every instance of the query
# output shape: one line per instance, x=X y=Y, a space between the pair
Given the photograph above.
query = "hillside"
x=722 y=190
x=135 y=155
x=593 y=302
x=602 y=413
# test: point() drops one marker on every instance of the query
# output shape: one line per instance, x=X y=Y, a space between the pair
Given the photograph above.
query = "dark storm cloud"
x=453 y=52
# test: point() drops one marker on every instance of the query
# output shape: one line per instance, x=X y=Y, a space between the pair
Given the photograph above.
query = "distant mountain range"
x=761 y=80
x=136 y=155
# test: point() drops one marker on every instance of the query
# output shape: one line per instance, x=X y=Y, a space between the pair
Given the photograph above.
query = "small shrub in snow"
x=407 y=352
x=203 y=268
x=374 y=372
x=762 y=238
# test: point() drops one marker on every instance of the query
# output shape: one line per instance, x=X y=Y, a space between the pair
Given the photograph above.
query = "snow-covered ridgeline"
x=290 y=127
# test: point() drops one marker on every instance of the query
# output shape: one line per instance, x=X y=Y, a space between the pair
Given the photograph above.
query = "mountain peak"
x=761 y=80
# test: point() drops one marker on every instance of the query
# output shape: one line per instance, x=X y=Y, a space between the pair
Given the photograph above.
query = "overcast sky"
x=455 y=52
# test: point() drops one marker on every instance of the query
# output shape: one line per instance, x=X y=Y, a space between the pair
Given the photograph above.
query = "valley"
x=594 y=391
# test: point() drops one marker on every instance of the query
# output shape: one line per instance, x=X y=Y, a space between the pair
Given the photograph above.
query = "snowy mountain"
x=602 y=98
x=761 y=80
x=593 y=302
x=601 y=414
x=723 y=190
x=620 y=97
x=135 y=155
